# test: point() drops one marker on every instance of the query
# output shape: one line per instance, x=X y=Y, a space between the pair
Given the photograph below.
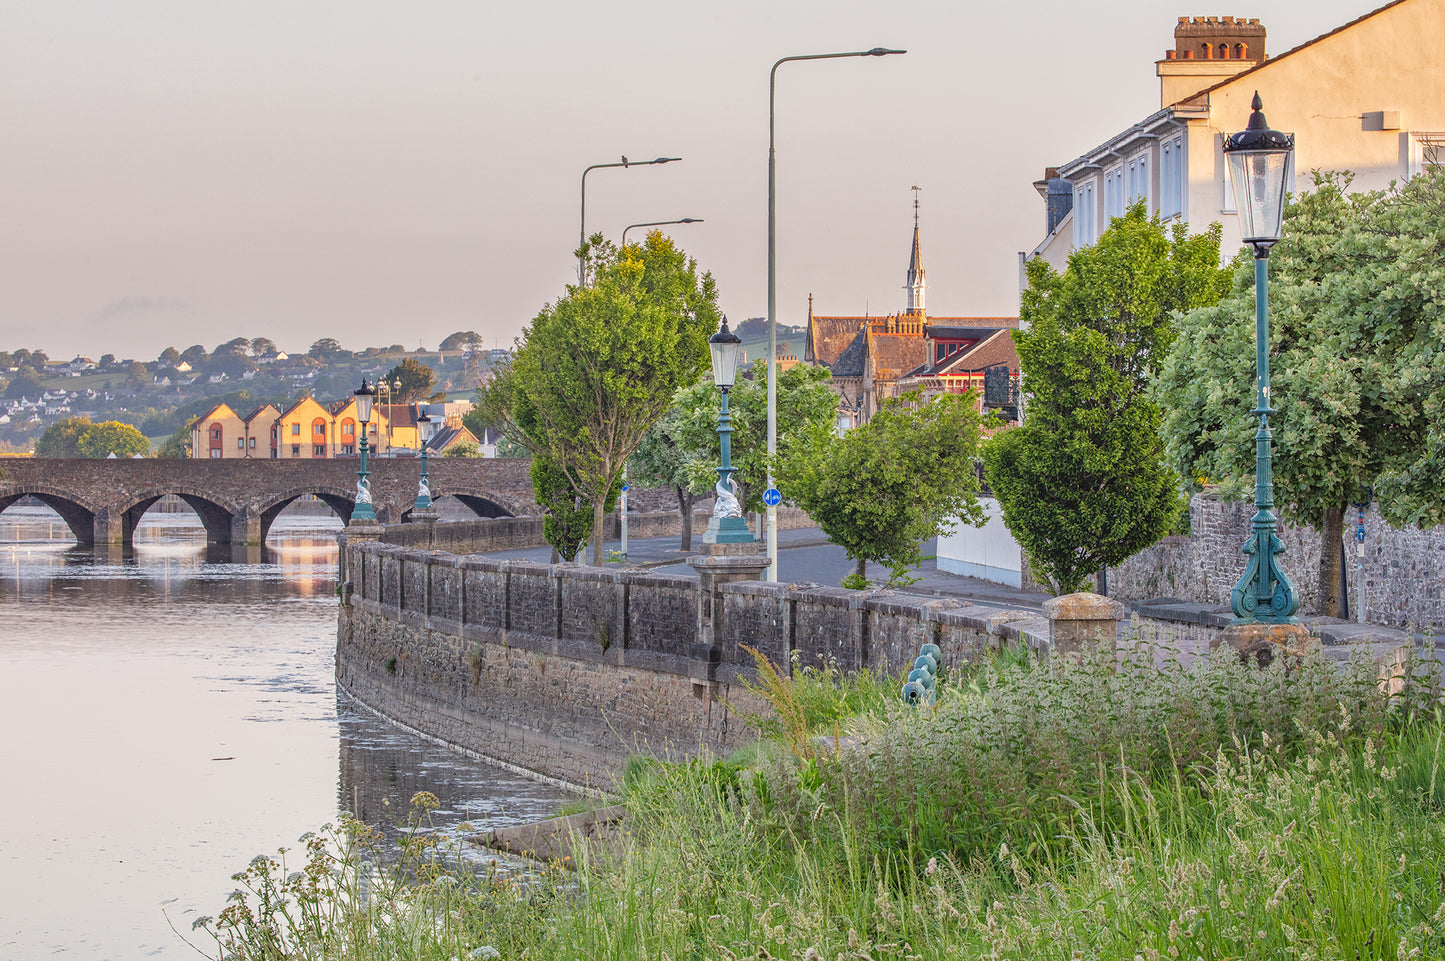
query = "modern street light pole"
x=582 y=234
x=1259 y=160
x=773 y=283
x=659 y=223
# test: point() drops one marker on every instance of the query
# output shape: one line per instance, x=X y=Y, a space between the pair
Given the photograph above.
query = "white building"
x=1368 y=97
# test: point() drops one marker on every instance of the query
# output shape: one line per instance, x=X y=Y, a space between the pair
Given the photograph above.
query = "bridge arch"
x=339 y=499
x=217 y=514
x=78 y=515
x=483 y=503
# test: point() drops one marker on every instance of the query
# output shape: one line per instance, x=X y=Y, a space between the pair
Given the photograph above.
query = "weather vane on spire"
x=915 y=188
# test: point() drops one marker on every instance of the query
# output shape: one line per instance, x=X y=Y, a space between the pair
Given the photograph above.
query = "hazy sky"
x=187 y=171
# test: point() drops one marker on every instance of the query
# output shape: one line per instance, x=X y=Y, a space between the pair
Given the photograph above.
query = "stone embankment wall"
x=514 y=533
x=1404 y=569
x=567 y=670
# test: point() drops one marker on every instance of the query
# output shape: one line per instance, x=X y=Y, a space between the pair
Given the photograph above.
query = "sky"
x=175 y=172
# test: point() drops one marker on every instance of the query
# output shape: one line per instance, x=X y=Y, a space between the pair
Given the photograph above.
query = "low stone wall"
x=1404 y=569
x=567 y=670
x=514 y=533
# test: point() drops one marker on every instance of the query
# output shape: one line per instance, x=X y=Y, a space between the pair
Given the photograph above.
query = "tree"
x=661 y=461
x=415 y=378
x=237 y=346
x=170 y=356
x=461 y=340
x=178 y=445
x=24 y=384
x=137 y=372
x=882 y=489
x=195 y=355
x=1083 y=483
x=62 y=438
x=106 y=360
x=261 y=346
x=464 y=449
x=597 y=368
x=113 y=437
x=1357 y=376
x=326 y=348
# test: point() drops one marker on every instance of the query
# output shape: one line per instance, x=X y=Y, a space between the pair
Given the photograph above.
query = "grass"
x=1056 y=811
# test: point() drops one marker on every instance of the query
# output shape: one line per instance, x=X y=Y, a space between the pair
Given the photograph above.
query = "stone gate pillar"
x=1080 y=622
x=720 y=564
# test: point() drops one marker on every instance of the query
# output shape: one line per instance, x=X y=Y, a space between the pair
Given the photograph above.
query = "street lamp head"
x=882 y=52
x=725 y=346
x=364 y=397
x=1259 y=161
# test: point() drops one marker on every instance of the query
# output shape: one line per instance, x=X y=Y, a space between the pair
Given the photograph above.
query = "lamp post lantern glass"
x=1259 y=161
x=363 y=511
x=727 y=525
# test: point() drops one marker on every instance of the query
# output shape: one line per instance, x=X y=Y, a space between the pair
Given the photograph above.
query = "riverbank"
x=1037 y=810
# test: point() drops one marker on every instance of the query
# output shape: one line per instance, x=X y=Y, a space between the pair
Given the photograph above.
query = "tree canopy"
x=1356 y=290
x=62 y=438
x=807 y=410
x=597 y=368
x=1084 y=483
x=460 y=340
x=415 y=378
x=113 y=437
x=885 y=487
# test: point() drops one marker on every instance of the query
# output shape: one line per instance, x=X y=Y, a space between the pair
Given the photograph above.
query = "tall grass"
x=1058 y=811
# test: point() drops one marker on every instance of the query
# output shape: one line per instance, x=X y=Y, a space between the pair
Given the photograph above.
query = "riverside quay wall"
x=567 y=670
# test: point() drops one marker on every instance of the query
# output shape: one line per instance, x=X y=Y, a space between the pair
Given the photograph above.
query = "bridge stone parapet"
x=102 y=501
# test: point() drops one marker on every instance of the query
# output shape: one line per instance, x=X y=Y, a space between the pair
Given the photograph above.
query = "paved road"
x=807 y=555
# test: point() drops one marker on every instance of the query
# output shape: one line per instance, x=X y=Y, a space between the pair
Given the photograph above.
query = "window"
x=348 y=429
x=1171 y=177
x=1084 y=211
x=1427 y=152
x=1227 y=204
x=295 y=430
x=348 y=449
x=318 y=450
x=253 y=443
x=240 y=443
x=1138 y=178
x=295 y=450
x=215 y=452
x=1114 y=192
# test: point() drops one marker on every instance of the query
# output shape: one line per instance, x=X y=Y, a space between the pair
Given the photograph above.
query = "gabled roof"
x=892 y=355
x=399 y=415
x=854 y=358
x=994 y=349
x=1293 y=50
x=828 y=337
x=259 y=410
x=220 y=410
x=450 y=436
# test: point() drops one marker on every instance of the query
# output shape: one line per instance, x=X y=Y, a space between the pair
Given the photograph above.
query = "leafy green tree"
x=178 y=445
x=464 y=449
x=461 y=340
x=1084 y=483
x=262 y=345
x=807 y=411
x=113 y=437
x=326 y=348
x=62 y=438
x=106 y=360
x=661 y=461
x=170 y=356
x=882 y=489
x=415 y=378
x=597 y=368
x=195 y=355
x=1357 y=285
x=24 y=384
x=236 y=345
x=137 y=372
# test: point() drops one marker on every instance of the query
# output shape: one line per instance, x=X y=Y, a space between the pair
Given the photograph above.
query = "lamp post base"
x=728 y=530
x=1260 y=642
x=364 y=529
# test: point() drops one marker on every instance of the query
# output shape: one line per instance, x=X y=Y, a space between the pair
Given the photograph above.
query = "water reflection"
x=173 y=712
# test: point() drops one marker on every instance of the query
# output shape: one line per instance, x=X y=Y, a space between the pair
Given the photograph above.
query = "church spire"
x=915 y=285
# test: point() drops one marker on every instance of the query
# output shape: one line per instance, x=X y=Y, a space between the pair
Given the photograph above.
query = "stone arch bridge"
x=103 y=500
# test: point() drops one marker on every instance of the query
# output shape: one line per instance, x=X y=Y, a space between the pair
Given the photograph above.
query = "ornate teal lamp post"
x=1259 y=160
x=727 y=525
x=423 y=488
x=363 y=512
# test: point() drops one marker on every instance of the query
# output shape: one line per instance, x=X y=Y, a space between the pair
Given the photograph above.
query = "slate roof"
x=828 y=337
x=854 y=358
x=996 y=348
x=893 y=355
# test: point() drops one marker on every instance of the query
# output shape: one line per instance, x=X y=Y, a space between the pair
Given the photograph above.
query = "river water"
x=170 y=712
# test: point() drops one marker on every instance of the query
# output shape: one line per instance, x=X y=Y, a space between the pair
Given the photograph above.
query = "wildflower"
x=486 y=951
x=932 y=868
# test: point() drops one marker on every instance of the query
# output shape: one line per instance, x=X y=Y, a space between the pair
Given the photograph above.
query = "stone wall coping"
x=1083 y=606
x=1184 y=612
x=984 y=619
x=479 y=562
x=756 y=589
x=527 y=568
x=648 y=579
x=581 y=572
x=831 y=597
x=889 y=602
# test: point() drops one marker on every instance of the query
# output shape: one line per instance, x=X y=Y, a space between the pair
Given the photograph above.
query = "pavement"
x=806 y=554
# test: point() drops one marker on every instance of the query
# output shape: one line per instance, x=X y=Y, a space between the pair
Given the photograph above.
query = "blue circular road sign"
x=771 y=497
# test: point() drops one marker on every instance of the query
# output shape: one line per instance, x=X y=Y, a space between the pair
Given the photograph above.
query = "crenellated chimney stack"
x=1206 y=51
